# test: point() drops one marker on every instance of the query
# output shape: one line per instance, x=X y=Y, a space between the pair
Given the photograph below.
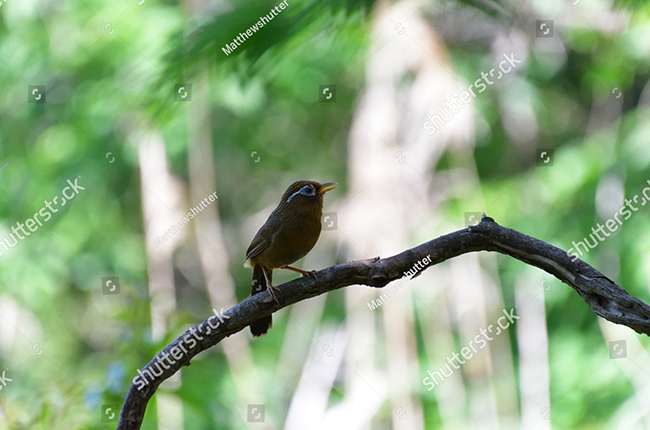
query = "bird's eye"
x=308 y=190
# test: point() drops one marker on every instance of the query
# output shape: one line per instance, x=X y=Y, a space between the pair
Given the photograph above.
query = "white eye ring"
x=307 y=190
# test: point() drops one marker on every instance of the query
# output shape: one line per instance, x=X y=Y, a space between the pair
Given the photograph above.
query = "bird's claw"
x=271 y=288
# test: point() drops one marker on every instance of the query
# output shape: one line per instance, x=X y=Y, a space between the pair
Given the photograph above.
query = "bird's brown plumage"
x=290 y=232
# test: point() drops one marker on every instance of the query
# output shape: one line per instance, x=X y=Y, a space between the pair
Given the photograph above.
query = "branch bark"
x=605 y=298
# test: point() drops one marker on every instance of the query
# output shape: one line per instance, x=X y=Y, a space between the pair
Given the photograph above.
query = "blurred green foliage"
x=104 y=89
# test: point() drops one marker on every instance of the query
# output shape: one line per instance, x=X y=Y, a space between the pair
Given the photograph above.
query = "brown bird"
x=290 y=232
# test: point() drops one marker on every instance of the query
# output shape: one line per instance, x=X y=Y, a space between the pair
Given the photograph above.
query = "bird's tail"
x=262 y=325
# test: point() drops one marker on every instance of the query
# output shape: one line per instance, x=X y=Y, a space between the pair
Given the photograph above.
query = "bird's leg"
x=302 y=272
x=270 y=287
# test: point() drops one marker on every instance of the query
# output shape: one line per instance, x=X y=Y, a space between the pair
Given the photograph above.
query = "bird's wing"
x=257 y=245
x=264 y=236
x=262 y=240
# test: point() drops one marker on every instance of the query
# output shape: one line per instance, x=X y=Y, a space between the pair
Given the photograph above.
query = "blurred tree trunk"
x=162 y=199
x=532 y=344
x=391 y=160
x=209 y=237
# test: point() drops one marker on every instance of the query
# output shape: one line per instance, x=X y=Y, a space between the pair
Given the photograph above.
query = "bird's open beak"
x=327 y=186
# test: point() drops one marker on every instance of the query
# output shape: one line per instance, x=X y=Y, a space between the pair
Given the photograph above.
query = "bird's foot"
x=271 y=289
x=309 y=273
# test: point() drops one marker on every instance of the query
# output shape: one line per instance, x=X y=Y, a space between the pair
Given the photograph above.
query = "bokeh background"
x=255 y=121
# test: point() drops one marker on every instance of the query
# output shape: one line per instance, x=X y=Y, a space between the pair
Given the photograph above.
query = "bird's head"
x=305 y=193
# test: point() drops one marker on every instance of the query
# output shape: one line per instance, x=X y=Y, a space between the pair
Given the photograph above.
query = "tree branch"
x=605 y=298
